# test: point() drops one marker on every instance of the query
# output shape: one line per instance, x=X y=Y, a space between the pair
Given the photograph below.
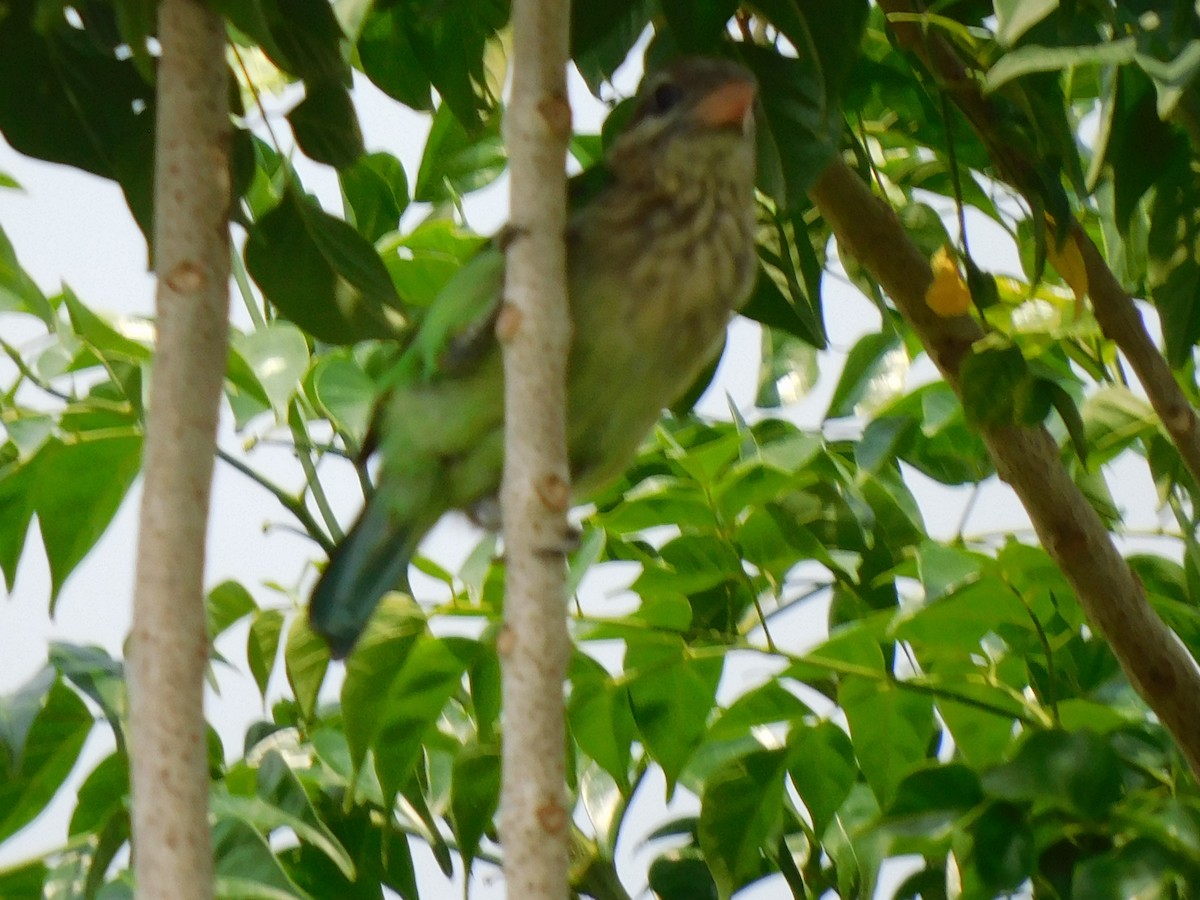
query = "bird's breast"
x=653 y=283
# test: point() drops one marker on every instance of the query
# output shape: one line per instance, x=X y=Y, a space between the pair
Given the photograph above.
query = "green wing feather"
x=448 y=378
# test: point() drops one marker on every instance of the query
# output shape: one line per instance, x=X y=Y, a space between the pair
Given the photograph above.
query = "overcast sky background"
x=72 y=228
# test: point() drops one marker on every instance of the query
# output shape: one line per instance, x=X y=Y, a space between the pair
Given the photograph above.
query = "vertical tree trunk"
x=169 y=642
x=535 y=330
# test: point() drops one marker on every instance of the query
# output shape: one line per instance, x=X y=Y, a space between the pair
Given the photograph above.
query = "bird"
x=660 y=255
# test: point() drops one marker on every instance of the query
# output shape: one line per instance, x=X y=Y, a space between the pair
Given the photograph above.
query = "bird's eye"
x=664 y=98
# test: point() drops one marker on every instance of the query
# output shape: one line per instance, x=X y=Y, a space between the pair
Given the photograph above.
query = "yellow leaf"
x=1068 y=262
x=947 y=294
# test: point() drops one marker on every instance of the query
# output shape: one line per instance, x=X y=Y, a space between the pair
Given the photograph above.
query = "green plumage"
x=658 y=258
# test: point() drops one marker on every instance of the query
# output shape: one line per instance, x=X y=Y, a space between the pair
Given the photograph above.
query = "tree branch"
x=1156 y=662
x=1115 y=311
x=1122 y=324
x=169 y=642
x=535 y=330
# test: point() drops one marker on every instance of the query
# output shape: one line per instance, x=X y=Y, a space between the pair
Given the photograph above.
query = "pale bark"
x=534 y=328
x=169 y=644
x=1156 y=662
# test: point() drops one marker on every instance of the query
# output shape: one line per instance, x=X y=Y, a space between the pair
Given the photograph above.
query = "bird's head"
x=692 y=117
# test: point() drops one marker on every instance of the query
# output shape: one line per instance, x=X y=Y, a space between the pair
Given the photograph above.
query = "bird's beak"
x=731 y=104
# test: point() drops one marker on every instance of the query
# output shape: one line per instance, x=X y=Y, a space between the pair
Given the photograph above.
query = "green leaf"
x=787 y=293
x=682 y=874
x=432 y=261
x=963 y=610
x=671 y=694
x=801 y=97
x=932 y=798
x=280 y=801
x=822 y=767
x=277 y=354
x=1114 y=418
x=343 y=393
x=326 y=126
x=245 y=866
x=246 y=395
x=104 y=794
x=601 y=717
x=386 y=55
x=864 y=364
x=787 y=371
x=305 y=659
x=768 y=704
x=991 y=380
x=225 y=604
x=262 y=646
x=741 y=814
x=375 y=190
x=1141 y=868
x=456 y=161
x=1015 y=17
x=1033 y=58
x=602 y=34
x=944 y=570
x=1003 y=847
x=301 y=37
x=654 y=504
x=936 y=439
x=320 y=273
x=43 y=728
x=79 y=488
x=104 y=337
x=1079 y=771
x=406 y=49
x=24 y=882
x=413 y=703
x=19 y=292
x=96 y=675
x=1068 y=411
x=18 y=498
x=982 y=735
x=67 y=100
x=799 y=130
x=474 y=797
x=380 y=655
x=890 y=728
x=698 y=26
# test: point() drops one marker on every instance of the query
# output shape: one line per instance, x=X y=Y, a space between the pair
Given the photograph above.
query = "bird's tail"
x=370 y=561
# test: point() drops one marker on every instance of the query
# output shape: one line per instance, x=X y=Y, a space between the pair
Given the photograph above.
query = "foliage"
x=954 y=705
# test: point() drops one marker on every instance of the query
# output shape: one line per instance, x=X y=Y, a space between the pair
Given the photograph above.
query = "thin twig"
x=293 y=504
x=304 y=455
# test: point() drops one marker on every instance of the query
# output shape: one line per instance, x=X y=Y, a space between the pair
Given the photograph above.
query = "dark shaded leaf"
x=301 y=37
x=474 y=797
x=376 y=191
x=456 y=161
x=320 y=273
x=66 y=101
x=741 y=813
x=602 y=34
x=326 y=126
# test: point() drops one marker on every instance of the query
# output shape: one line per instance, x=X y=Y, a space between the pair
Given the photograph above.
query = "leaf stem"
x=293 y=504
x=304 y=455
